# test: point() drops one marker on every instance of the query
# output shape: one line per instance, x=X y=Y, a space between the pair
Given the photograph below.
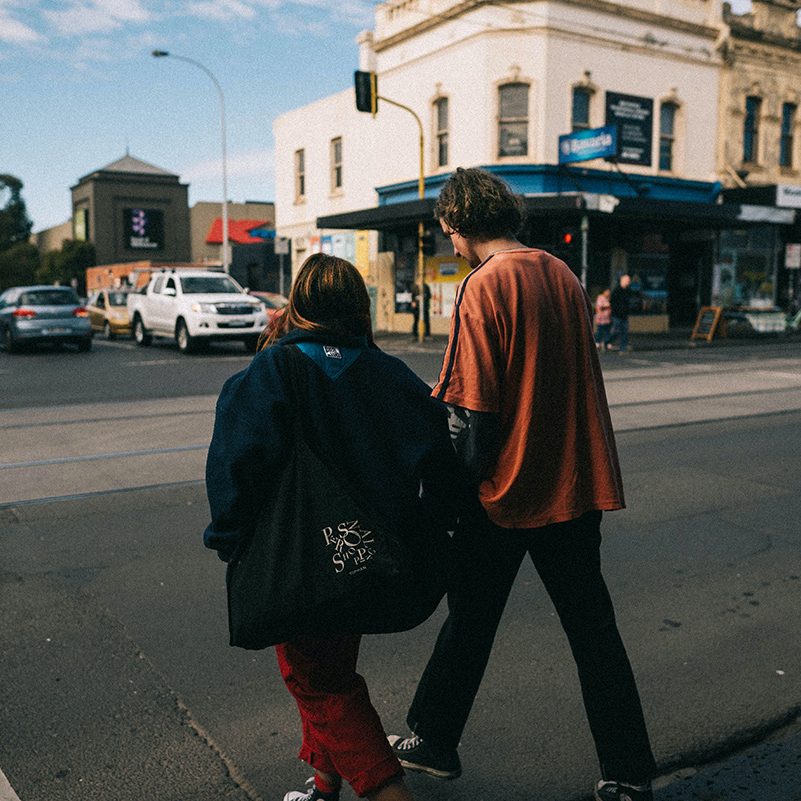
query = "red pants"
x=342 y=734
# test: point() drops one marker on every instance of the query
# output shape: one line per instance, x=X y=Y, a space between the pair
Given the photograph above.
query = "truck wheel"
x=141 y=335
x=186 y=343
x=107 y=332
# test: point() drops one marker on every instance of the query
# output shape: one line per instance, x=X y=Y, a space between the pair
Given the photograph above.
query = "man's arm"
x=476 y=438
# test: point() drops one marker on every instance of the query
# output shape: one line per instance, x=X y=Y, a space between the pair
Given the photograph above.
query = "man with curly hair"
x=530 y=422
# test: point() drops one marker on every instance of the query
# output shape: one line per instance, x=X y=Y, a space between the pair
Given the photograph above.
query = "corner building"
x=495 y=86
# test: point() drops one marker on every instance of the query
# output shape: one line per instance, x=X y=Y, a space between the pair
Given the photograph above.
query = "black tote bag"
x=321 y=563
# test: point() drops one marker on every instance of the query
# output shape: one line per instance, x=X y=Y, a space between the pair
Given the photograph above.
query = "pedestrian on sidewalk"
x=621 y=303
x=603 y=319
x=370 y=416
x=417 y=302
x=529 y=419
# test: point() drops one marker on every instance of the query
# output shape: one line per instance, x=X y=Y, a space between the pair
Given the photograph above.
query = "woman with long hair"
x=370 y=414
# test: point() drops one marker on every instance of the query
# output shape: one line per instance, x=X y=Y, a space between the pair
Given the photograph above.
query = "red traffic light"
x=567 y=237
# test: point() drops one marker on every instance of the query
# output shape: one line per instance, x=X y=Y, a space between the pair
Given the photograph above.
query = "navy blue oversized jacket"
x=365 y=410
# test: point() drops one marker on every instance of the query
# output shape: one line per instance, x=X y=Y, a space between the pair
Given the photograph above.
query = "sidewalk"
x=676 y=339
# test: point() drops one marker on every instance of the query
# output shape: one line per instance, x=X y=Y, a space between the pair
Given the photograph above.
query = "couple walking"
x=530 y=467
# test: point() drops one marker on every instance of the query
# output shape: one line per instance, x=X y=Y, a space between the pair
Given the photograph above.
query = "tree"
x=18 y=265
x=18 y=258
x=15 y=225
x=70 y=262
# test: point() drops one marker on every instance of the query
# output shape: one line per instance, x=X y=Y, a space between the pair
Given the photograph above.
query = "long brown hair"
x=327 y=296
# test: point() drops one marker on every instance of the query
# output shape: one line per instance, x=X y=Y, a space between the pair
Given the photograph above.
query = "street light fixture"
x=225 y=247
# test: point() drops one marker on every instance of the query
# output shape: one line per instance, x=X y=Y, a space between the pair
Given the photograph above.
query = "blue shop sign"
x=591 y=143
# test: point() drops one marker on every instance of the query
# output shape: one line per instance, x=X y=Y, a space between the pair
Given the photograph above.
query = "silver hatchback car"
x=36 y=314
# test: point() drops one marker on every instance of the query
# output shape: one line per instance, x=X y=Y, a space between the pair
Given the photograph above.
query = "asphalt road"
x=118 y=683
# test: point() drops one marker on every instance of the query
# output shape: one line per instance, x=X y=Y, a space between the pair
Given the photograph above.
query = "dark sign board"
x=634 y=117
x=144 y=229
x=706 y=324
x=592 y=143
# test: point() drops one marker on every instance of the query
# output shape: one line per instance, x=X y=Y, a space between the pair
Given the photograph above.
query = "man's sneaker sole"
x=437 y=774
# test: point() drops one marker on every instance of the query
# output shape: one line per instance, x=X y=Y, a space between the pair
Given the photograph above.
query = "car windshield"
x=117 y=298
x=273 y=301
x=209 y=285
x=49 y=297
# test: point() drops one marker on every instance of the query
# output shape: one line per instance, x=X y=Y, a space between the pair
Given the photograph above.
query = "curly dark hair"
x=479 y=205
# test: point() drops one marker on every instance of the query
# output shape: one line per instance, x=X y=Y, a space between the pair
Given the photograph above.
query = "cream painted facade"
x=762 y=59
x=423 y=50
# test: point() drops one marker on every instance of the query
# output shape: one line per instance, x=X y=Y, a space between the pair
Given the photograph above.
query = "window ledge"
x=336 y=193
x=300 y=201
x=790 y=171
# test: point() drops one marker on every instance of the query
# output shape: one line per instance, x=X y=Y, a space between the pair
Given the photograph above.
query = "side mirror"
x=169 y=291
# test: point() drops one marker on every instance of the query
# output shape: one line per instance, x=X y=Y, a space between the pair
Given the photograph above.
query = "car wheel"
x=186 y=343
x=107 y=332
x=140 y=334
x=85 y=345
x=9 y=342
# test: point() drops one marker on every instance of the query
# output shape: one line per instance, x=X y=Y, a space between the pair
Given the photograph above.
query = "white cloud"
x=12 y=31
x=250 y=164
x=97 y=16
x=326 y=11
x=221 y=9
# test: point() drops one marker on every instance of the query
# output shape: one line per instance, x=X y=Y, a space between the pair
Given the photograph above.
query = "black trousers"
x=486 y=560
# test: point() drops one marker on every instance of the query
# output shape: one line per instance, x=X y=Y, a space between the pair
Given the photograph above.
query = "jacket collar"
x=297 y=335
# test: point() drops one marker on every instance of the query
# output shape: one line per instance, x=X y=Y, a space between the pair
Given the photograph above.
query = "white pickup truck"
x=194 y=307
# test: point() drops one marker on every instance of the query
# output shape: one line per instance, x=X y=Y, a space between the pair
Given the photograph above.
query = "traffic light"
x=366 y=84
x=568 y=237
x=429 y=243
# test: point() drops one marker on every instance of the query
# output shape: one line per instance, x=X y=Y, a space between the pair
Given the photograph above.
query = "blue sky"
x=78 y=86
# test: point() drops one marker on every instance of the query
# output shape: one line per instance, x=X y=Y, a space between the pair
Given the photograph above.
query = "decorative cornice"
x=604 y=6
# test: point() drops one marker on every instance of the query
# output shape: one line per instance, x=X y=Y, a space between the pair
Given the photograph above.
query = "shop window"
x=581 y=108
x=300 y=175
x=753 y=107
x=441 y=130
x=786 y=142
x=513 y=119
x=667 y=135
x=336 y=164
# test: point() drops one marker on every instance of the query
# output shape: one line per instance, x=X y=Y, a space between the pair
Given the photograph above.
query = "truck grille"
x=234 y=308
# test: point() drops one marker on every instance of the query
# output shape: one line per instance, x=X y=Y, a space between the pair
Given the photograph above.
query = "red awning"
x=238 y=231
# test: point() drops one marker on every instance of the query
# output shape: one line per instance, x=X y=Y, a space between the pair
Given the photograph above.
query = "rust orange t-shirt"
x=521 y=346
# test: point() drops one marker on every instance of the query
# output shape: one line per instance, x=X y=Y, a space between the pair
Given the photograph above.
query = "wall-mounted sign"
x=592 y=143
x=80 y=225
x=634 y=117
x=144 y=229
x=788 y=196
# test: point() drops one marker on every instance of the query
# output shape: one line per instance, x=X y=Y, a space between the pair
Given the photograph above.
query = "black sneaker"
x=311 y=793
x=619 y=791
x=414 y=754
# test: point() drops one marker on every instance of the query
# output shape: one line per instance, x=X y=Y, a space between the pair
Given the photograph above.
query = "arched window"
x=581 y=108
x=786 y=142
x=441 y=130
x=753 y=107
x=513 y=119
x=667 y=134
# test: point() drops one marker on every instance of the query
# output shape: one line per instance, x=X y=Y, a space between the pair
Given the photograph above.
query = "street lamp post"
x=421 y=193
x=226 y=260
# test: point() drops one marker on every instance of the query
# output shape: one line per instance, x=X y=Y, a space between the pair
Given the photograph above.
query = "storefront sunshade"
x=381 y=218
x=723 y=215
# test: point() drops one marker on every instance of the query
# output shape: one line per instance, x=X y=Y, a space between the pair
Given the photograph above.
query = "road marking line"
x=6 y=790
x=93 y=457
